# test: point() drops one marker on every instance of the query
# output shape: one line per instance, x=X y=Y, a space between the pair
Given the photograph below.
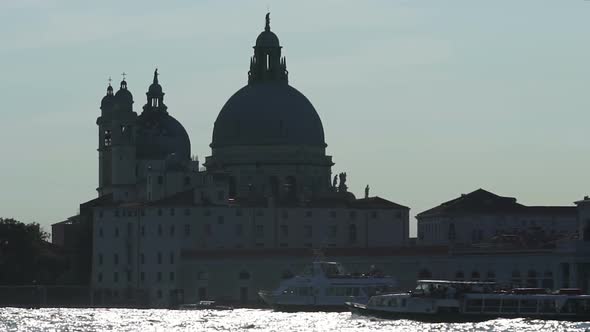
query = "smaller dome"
x=267 y=38
x=107 y=102
x=123 y=96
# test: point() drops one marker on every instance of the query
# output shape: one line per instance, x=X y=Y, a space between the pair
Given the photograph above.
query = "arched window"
x=452 y=234
x=244 y=275
x=352 y=233
x=459 y=275
x=232 y=187
x=548 y=279
x=491 y=276
x=291 y=187
x=531 y=280
x=475 y=276
x=516 y=281
x=274 y=186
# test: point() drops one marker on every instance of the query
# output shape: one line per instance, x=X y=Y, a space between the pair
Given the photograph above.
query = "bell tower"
x=104 y=122
x=123 y=149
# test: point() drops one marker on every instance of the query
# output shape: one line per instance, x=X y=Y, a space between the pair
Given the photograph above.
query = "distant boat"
x=457 y=301
x=324 y=286
x=204 y=305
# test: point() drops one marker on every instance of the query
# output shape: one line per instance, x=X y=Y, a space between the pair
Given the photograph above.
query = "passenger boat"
x=325 y=286
x=457 y=301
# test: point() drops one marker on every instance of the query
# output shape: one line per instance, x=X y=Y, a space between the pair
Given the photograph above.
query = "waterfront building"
x=165 y=229
x=481 y=216
x=267 y=187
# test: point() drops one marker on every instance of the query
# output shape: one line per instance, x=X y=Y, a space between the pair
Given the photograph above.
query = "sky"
x=422 y=100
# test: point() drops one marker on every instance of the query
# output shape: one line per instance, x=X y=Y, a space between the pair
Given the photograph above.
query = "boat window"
x=529 y=305
x=491 y=305
x=404 y=302
x=473 y=305
x=393 y=302
x=547 y=306
x=509 y=305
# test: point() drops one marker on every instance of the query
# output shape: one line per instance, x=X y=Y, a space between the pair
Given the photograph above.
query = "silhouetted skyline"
x=422 y=101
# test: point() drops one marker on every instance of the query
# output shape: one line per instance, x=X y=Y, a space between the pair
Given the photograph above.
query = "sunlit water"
x=58 y=319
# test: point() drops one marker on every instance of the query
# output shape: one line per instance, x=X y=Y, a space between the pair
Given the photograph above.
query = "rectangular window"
x=116 y=277
x=333 y=231
x=159 y=276
x=116 y=259
x=187 y=229
x=99 y=259
x=160 y=230
x=333 y=214
x=239 y=229
x=259 y=231
x=285 y=214
x=352 y=214
x=142 y=258
x=259 y=213
x=159 y=258
x=172 y=258
x=100 y=233
x=160 y=179
x=374 y=214
x=308 y=231
x=142 y=230
x=99 y=277
x=129 y=229
x=207 y=229
x=220 y=220
x=171 y=276
x=187 y=212
x=116 y=231
x=159 y=212
x=128 y=276
x=220 y=195
x=116 y=213
x=239 y=212
x=308 y=214
x=172 y=212
x=284 y=230
x=142 y=276
x=100 y=214
x=172 y=230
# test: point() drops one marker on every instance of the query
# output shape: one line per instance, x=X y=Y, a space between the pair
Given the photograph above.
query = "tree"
x=21 y=252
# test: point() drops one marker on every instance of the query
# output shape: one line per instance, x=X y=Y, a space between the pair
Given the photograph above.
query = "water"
x=60 y=319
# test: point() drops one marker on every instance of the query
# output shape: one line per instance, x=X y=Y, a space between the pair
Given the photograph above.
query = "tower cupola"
x=155 y=96
x=267 y=65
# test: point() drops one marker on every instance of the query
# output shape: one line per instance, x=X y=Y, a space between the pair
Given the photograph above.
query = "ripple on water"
x=61 y=319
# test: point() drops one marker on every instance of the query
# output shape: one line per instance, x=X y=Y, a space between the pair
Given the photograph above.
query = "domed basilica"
x=266 y=188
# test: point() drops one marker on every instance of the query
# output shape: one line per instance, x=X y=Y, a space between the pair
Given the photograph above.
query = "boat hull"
x=453 y=317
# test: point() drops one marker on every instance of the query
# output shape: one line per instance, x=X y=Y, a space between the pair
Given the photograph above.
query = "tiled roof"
x=484 y=202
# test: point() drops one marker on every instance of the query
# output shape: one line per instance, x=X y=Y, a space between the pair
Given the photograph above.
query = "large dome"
x=159 y=135
x=267 y=113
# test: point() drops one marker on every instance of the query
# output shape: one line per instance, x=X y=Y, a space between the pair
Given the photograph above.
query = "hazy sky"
x=422 y=100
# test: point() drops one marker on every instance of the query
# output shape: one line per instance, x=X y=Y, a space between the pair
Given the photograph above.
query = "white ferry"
x=448 y=301
x=325 y=286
